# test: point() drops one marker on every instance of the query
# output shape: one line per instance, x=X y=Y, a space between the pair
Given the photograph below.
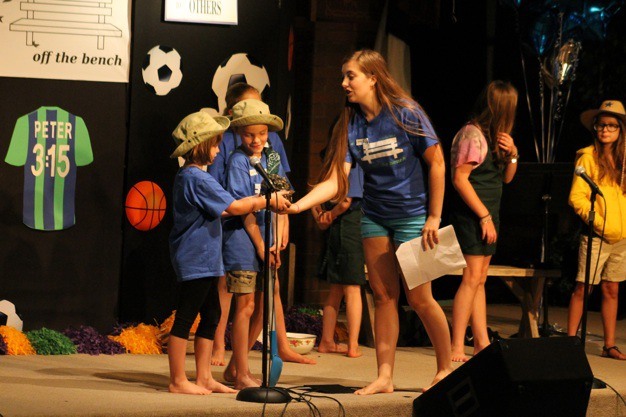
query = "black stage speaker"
x=515 y=377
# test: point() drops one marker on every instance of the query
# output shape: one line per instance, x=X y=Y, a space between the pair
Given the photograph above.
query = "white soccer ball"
x=161 y=70
x=238 y=68
x=13 y=319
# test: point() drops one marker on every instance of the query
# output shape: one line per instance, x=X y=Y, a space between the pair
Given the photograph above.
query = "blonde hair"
x=201 y=153
x=605 y=169
x=390 y=96
x=234 y=94
x=496 y=114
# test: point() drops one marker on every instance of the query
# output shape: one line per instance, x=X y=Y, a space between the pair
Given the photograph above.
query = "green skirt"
x=343 y=260
x=467 y=225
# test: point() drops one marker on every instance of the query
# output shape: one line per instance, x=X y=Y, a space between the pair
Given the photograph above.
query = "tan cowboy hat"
x=195 y=129
x=255 y=112
x=613 y=108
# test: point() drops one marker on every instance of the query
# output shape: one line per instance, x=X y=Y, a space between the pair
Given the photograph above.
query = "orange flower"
x=16 y=341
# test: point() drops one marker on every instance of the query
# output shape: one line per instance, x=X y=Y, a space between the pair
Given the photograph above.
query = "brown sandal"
x=606 y=353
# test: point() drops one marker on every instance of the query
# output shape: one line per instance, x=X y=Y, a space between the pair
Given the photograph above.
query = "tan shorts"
x=612 y=265
x=241 y=282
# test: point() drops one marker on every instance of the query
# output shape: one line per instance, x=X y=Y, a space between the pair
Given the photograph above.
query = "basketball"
x=145 y=205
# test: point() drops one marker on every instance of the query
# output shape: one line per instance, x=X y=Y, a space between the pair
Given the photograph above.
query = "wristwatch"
x=513 y=158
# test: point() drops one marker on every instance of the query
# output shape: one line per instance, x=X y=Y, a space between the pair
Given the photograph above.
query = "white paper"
x=193 y=11
x=420 y=266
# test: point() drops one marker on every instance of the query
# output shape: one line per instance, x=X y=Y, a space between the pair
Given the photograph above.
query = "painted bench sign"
x=87 y=18
x=202 y=11
x=80 y=40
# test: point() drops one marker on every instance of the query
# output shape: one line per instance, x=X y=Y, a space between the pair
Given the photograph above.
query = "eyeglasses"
x=609 y=128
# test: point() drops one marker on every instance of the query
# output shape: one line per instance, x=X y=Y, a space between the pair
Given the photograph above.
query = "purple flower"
x=89 y=341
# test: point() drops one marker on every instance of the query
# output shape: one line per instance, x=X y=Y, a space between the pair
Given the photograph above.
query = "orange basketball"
x=145 y=205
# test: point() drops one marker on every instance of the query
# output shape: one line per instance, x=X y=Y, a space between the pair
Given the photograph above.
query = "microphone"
x=580 y=171
x=256 y=163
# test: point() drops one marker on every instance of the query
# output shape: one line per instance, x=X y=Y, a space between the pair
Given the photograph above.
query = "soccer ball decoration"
x=9 y=315
x=161 y=70
x=238 y=68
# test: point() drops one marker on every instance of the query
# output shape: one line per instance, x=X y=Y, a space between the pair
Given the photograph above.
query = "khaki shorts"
x=612 y=266
x=241 y=282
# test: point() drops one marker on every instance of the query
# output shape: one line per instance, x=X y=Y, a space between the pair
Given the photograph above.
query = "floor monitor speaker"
x=515 y=377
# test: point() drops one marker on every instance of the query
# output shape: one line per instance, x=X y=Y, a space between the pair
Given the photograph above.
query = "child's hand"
x=275 y=261
x=317 y=212
x=325 y=220
x=278 y=202
x=506 y=143
x=489 y=234
x=430 y=236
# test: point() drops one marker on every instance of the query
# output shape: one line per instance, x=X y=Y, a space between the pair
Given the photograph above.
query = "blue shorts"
x=400 y=230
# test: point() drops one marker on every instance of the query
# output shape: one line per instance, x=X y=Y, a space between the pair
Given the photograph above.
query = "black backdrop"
x=72 y=277
x=148 y=289
x=69 y=277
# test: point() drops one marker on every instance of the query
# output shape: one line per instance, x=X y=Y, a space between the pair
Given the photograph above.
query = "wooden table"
x=525 y=283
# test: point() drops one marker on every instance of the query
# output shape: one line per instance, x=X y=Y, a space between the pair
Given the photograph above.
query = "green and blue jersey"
x=50 y=143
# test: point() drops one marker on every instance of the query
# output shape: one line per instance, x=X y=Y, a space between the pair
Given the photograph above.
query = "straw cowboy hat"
x=195 y=129
x=255 y=112
x=609 y=107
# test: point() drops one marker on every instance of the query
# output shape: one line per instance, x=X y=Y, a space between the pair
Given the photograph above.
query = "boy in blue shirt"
x=243 y=244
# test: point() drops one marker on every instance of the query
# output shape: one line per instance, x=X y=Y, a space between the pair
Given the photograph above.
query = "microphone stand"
x=583 y=332
x=544 y=260
x=265 y=393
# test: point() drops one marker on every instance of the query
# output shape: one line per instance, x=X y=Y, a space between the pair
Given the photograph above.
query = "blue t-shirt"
x=395 y=180
x=355 y=185
x=198 y=202
x=242 y=180
x=230 y=142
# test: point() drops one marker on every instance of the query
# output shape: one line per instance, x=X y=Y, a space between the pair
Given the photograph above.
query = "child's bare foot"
x=458 y=355
x=254 y=378
x=354 y=353
x=438 y=377
x=217 y=359
x=245 y=381
x=188 y=387
x=230 y=374
x=288 y=355
x=479 y=348
x=215 y=386
x=332 y=347
x=380 y=385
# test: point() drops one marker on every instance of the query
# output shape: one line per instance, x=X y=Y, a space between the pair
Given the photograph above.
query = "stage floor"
x=136 y=385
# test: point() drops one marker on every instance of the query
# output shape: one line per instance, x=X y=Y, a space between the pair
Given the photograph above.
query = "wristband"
x=485 y=216
x=486 y=219
x=296 y=204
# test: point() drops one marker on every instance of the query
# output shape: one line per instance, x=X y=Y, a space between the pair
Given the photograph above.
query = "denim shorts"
x=400 y=230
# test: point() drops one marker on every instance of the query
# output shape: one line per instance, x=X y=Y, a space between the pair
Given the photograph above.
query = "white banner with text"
x=65 y=39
